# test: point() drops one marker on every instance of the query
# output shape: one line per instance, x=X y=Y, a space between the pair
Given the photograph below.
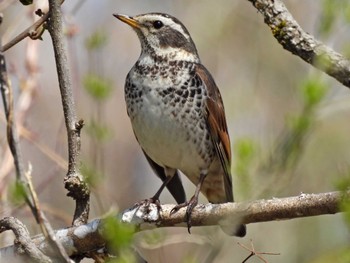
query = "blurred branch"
x=23 y=180
x=74 y=181
x=78 y=240
x=34 y=31
x=253 y=252
x=294 y=39
x=23 y=242
x=12 y=135
x=30 y=137
x=45 y=225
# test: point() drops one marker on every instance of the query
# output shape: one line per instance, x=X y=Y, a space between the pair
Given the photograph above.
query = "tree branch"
x=12 y=135
x=78 y=240
x=304 y=205
x=34 y=32
x=23 y=243
x=21 y=175
x=294 y=39
x=74 y=181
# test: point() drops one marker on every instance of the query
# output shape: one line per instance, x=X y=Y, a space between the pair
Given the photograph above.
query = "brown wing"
x=216 y=121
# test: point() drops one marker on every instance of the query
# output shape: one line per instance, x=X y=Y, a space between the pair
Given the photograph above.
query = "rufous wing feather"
x=216 y=122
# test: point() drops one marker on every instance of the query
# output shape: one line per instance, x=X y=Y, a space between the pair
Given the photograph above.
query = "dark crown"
x=161 y=33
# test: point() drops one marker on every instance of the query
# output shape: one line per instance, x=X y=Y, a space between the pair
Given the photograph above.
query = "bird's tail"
x=239 y=231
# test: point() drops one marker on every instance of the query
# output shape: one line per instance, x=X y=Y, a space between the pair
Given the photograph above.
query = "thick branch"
x=294 y=39
x=86 y=238
x=303 y=205
x=74 y=182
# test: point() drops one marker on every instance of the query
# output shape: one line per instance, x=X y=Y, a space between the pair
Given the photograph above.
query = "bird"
x=177 y=114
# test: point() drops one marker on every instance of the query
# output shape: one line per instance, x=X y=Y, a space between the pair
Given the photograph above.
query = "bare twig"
x=253 y=252
x=34 y=31
x=23 y=243
x=12 y=135
x=78 y=240
x=45 y=226
x=74 y=182
x=294 y=39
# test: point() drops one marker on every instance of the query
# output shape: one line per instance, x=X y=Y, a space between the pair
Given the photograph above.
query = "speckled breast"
x=166 y=108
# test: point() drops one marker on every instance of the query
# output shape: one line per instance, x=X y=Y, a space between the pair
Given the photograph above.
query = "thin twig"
x=253 y=252
x=31 y=31
x=74 y=181
x=45 y=226
x=12 y=135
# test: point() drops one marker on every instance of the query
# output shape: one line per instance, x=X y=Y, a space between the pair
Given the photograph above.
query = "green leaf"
x=91 y=175
x=119 y=235
x=97 y=40
x=244 y=149
x=299 y=124
x=330 y=11
x=244 y=155
x=347 y=12
x=343 y=185
x=97 y=87
x=17 y=193
x=98 y=131
x=313 y=91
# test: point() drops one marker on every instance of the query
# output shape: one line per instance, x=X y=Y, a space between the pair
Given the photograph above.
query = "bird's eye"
x=157 y=24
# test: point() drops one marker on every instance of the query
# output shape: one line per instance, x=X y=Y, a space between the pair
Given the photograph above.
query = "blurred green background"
x=289 y=123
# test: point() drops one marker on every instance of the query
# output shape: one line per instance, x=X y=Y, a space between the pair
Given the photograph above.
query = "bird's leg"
x=155 y=199
x=192 y=202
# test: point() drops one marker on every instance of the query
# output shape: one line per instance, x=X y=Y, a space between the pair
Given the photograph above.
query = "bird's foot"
x=190 y=205
x=147 y=202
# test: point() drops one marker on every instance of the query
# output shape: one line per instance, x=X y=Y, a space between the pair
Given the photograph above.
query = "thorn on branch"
x=79 y=125
x=39 y=12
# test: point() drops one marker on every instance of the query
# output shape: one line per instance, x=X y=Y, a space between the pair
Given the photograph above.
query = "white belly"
x=164 y=137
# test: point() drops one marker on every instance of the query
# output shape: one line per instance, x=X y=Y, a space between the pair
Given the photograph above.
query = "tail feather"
x=239 y=231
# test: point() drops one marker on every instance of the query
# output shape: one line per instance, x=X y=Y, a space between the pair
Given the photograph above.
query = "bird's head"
x=162 y=35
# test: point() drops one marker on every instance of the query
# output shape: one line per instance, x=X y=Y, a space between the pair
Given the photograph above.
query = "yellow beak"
x=128 y=20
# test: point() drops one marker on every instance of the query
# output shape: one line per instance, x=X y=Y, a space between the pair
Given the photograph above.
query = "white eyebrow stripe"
x=179 y=28
x=168 y=21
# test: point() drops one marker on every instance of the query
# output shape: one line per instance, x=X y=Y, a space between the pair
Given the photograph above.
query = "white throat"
x=170 y=54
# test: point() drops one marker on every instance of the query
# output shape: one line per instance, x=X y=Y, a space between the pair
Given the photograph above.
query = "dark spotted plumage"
x=177 y=113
